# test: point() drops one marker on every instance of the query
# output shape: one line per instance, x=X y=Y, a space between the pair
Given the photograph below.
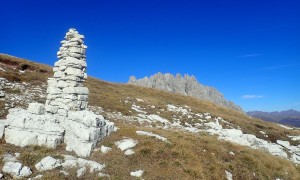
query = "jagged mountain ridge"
x=185 y=85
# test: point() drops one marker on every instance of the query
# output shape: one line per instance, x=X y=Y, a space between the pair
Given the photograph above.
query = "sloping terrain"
x=290 y=117
x=184 y=85
x=170 y=136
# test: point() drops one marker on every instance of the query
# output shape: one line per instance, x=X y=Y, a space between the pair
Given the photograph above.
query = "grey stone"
x=12 y=168
x=48 y=163
x=80 y=172
x=25 y=171
x=36 y=108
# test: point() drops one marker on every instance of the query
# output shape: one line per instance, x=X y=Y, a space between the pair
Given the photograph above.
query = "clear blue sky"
x=247 y=49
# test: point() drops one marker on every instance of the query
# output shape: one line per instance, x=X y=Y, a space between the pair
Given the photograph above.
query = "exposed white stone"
x=12 y=168
x=126 y=144
x=154 y=117
x=17 y=155
x=48 y=163
x=137 y=173
x=295 y=138
x=64 y=173
x=94 y=166
x=36 y=108
x=152 y=135
x=285 y=127
x=80 y=172
x=79 y=146
x=2 y=94
x=103 y=175
x=9 y=158
x=40 y=176
x=228 y=175
x=69 y=164
x=105 y=149
x=129 y=152
x=25 y=129
x=87 y=118
x=25 y=171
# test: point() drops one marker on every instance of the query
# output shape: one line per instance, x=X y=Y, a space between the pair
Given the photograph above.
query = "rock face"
x=64 y=118
x=185 y=85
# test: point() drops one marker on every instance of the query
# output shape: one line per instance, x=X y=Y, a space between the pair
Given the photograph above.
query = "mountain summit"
x=185 y=85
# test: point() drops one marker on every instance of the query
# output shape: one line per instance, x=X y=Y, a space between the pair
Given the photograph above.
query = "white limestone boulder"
x=74 y=72
x=105 y=149
x=87 y=118
x=80 y=147
x=26 y=129
x=16 y=169
x=9 y=158
x=80 y=172
x=93 y=165
x=137 y=173
x=76 y=90
x=71 y=163
x=53 y=90
x=25 y=171
x=81 y=131
x=36 y=108
x=12 y=168
x=48 y=163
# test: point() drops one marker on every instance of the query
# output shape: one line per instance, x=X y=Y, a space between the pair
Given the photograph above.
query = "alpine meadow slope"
x=160 y=135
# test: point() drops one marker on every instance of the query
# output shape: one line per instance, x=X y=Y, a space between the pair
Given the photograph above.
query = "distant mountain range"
x=290 y=117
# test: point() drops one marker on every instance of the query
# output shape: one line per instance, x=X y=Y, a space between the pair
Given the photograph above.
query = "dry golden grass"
x=35 y=73
x=189 y=156
x=112 y=96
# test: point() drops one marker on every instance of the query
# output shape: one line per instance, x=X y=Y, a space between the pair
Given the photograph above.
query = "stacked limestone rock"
x=64 y=118
x=65 y=88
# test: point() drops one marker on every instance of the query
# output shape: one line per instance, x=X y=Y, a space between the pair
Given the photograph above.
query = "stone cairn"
x=65 y=88
x=64 y=118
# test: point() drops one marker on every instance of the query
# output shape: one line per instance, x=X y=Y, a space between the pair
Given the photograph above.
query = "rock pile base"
x=80 y=131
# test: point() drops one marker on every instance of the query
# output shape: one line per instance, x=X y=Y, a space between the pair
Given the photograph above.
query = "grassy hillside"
x=187 y=156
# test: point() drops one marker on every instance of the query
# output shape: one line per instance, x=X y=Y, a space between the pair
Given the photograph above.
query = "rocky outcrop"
x=64 y=118
x=185 y=85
